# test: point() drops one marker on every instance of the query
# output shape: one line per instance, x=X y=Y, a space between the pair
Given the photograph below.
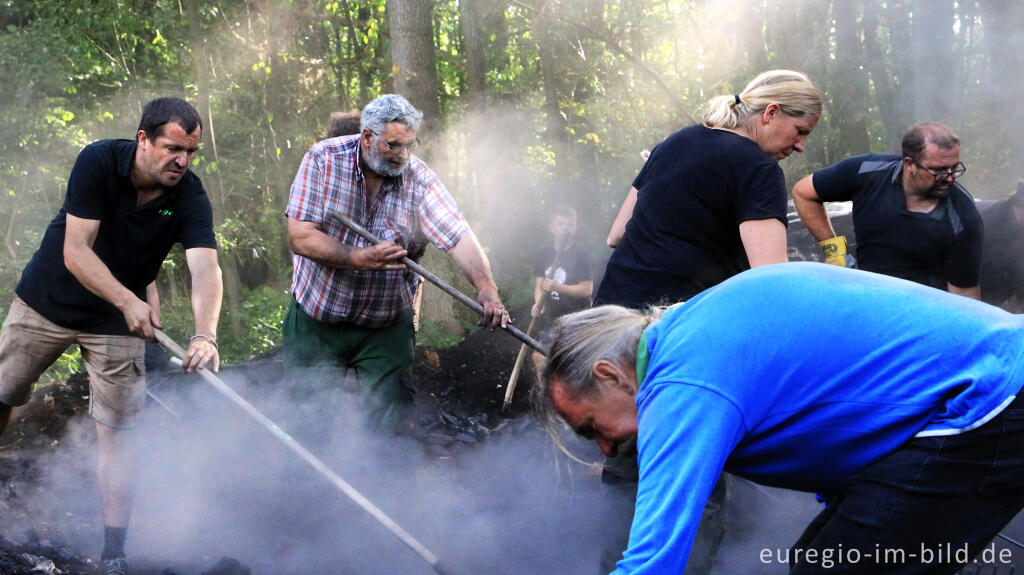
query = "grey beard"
x=379 y=164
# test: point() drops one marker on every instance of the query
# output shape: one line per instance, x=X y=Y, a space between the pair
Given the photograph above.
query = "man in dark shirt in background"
x=344 y=123
x=1002 y=265
x=564 y=278
x=911 y=218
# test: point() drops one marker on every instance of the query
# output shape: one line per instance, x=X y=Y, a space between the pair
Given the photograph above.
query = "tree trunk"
x=1003 y=21
x=476 y=63
x=556 y=128
x=901 y=50
x=359 y=50
x=880 y=69
x=228 y=265
x=849 y=81
x=412 y=57
x=415 y=77
x=935 y=63
x=480 y=128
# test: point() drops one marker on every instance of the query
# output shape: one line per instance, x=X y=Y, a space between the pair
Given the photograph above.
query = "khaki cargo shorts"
x=30 y=343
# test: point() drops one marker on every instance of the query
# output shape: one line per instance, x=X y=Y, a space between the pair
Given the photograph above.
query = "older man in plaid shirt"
x=353 y=300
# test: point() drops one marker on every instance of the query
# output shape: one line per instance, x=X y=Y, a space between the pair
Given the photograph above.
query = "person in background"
x=709 y=203
x=911 y=418
x=92 y=282
x=911 y=218
x=1002 y=263
x=562 y=270
x=563 y=274
x=344 y=124
x=352 y=300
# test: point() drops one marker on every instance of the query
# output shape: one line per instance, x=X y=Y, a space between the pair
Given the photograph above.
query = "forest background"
x=528 y=104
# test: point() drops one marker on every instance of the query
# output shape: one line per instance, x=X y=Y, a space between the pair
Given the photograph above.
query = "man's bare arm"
x=470 y=258
x=622 y=218
x=307 y=240
x=207 y=293
x=95 y=276
x=811 y=209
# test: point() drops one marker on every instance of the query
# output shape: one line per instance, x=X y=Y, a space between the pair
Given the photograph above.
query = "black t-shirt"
x=132 y=240
x=932 y=248
x=695 y=190
x=1002 y=264
x=571 y=267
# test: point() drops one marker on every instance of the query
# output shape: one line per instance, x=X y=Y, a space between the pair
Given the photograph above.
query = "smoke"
x=215 y=483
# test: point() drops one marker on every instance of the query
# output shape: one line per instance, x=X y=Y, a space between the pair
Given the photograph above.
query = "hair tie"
x=737 y=96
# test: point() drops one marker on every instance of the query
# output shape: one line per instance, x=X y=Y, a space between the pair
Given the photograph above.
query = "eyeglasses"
x=397 y=148
x=954 y=172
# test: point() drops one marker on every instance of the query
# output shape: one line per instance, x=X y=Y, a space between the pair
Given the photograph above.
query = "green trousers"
x=381 y=358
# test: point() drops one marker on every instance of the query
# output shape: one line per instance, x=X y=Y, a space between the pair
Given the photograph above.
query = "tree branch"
x=608 y=39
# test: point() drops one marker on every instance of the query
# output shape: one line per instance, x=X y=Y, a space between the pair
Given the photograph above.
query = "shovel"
x=461 y=297
x=320 y=466
x=514 y=378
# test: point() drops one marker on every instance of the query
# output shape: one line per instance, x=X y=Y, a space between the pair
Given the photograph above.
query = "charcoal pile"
x=36 y=555
x=460 y=390
x=44 y=419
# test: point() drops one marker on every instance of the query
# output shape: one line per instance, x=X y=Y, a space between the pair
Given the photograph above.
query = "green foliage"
x=574 y=89
x=435 y=334
x=70 y=362
x=262 y=315
x=263 y=312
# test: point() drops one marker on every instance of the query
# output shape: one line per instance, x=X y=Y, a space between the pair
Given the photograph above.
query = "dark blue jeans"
x=931 y=506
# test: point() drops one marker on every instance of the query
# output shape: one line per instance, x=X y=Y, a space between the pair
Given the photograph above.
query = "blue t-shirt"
x=798 y=375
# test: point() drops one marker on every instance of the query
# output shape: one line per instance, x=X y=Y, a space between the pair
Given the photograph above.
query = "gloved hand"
x=835 y=252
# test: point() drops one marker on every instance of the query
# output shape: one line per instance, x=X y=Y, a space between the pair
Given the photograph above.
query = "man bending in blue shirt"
x=897 y=400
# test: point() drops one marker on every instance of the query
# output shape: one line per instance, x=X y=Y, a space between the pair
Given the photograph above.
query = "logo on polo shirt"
x=165 y=212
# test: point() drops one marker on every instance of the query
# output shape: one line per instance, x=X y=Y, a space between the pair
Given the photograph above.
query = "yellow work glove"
x=835 y=252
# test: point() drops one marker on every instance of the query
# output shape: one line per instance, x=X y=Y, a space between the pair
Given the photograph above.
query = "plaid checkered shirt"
x=410 y=210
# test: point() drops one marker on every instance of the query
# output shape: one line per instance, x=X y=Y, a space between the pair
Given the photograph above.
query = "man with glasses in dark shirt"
x=910 y=216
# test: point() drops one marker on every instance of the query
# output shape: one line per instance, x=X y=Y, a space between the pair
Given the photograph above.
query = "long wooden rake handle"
x=304 y=453
x=445 y=287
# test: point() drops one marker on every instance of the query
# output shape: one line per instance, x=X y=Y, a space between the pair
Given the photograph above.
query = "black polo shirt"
x=933 y=248
x=132 y=240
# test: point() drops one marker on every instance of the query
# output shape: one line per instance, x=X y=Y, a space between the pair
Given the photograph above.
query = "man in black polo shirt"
x=92 y=282
x=911 y=218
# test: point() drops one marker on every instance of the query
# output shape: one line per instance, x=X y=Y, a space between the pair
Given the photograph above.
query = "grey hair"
x=578 y=341
x=793 y=91
x=389 y=108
